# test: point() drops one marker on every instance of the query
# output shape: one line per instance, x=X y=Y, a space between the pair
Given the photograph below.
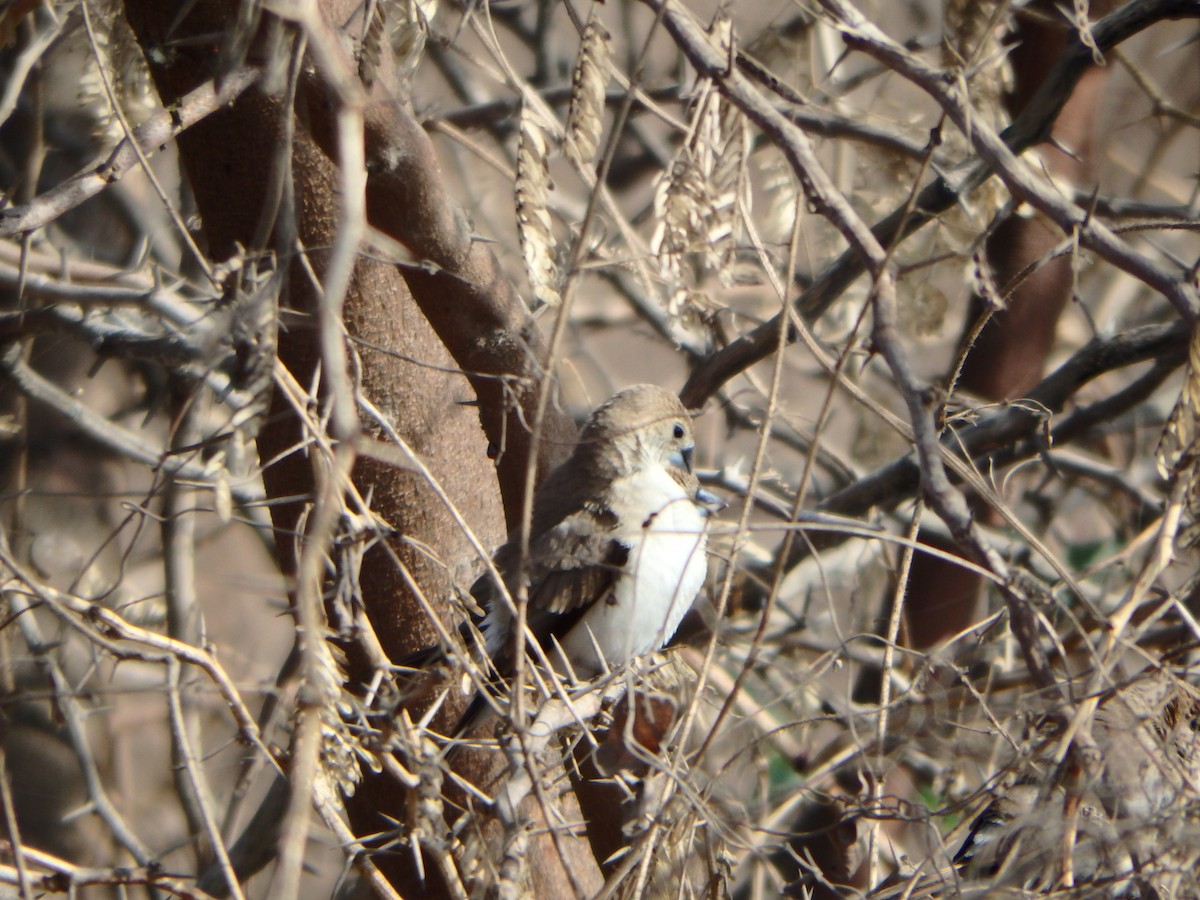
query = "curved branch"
x=1000 y=155
x=1010 y=433
x=457 y=281
x=104 y=170
x=935 y=198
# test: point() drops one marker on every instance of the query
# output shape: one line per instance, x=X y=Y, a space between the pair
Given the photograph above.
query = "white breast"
x=665 y=570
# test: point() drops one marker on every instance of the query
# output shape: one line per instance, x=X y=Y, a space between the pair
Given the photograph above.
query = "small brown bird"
x=616 y=548
x=616 y=552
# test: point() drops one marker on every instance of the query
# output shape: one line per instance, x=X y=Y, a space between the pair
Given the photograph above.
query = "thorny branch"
x=100 y=173
x=104 y=432
x=944 y=192
x=391 y=175
x=999 y=154
x=58 y=876
x=1012 y=433
x=943 y=498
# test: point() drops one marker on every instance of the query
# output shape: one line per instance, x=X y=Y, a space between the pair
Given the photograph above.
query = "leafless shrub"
x=272 y=397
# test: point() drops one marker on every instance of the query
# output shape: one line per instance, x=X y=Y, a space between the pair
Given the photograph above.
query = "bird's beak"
x=682 y=459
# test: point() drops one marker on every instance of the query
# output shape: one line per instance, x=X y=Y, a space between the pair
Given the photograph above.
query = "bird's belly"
x=662 y=577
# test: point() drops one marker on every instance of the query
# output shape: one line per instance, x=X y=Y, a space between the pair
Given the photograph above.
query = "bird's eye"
x=678 y=431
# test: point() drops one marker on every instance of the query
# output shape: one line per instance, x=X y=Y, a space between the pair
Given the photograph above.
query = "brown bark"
x=228 y=160
x=458 y=286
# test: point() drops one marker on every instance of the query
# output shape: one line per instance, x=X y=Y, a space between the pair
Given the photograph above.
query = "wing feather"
x=580 y=561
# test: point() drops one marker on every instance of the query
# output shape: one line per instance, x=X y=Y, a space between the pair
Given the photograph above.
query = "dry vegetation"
x=301 y=299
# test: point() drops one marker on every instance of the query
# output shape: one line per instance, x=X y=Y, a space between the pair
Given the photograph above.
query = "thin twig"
x=149 y=138
x=104 y=432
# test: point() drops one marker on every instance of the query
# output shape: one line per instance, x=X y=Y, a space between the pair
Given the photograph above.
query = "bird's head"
x=643 y=425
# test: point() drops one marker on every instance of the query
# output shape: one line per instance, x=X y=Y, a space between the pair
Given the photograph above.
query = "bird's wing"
x=575 y=565
x=572 y=565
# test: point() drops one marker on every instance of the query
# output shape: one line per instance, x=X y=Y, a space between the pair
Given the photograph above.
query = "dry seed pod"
x=372 y=41
x=1083 y=26
x=533 y=214
x=1179 y=435
x=983 y=280
x=698 y=202
x=585 y=119
x=1178 y=456
x=679 y=201
x=116 y=50
x=781 y=193
x=730 y=194
x=973 y=47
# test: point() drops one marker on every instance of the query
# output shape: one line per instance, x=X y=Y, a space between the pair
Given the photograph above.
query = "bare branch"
x=103 y=171
x=939 y=195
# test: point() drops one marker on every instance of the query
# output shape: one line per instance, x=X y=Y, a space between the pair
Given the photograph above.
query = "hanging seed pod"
x=371 y=49
x=533 y=214
x=585 y=118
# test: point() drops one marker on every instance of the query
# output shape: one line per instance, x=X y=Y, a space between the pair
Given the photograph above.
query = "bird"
x=1115 y=812
x=616 y=546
